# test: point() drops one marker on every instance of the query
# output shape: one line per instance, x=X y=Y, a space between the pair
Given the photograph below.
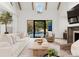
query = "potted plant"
x=52 y=52
x=5 y=18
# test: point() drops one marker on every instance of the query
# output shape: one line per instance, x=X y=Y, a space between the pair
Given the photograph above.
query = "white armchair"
x=75 y=48
x=50 y=36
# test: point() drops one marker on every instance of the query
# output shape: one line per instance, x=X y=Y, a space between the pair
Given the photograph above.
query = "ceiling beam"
x=19 y=5
x=11 y=3
x=32 y=6
x=46 y=5
x=58 y=7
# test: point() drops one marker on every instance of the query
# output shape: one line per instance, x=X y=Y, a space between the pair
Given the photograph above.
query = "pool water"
x=37 y=34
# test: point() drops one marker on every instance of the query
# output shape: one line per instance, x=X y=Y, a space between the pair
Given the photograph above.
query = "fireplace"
x=75 y=36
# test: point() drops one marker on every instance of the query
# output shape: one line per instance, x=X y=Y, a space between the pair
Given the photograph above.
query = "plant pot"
x=6 y=32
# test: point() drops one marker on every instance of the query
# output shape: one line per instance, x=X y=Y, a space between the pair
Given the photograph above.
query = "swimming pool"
x=37 y=34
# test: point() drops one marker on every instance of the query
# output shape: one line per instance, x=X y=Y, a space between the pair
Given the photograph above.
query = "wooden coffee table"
x=39 y=50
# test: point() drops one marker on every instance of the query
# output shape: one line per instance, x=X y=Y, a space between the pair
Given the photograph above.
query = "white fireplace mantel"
x=72 y=25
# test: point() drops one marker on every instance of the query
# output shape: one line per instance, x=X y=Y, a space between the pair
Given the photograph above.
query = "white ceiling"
x=28 y=5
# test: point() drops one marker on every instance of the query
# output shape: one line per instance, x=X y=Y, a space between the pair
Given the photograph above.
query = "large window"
x=39 y=7
x=38 y=28
x=30 y=28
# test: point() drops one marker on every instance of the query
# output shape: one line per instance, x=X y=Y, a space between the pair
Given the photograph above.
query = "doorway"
x=39 y=28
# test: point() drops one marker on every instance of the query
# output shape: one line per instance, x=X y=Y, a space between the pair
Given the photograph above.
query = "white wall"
x=62 y=17
x=62 y=20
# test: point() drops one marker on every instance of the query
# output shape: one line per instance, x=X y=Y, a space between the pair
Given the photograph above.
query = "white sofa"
x=11 y=45
x=75 y=48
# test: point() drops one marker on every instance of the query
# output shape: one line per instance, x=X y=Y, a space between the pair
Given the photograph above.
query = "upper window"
x=39 y=7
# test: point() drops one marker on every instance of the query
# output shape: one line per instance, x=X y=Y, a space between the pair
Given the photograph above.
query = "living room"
x=49 y=28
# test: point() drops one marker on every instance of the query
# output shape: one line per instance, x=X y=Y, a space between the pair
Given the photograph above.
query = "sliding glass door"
x=39 y=28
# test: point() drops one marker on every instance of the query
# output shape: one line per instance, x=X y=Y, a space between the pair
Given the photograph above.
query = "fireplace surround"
x=73 y=34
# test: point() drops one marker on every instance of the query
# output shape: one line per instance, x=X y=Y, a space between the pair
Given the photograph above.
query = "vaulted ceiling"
x=28 y=6
x=31 y=5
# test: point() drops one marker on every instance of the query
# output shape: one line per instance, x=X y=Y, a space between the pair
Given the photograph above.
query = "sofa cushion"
x=4 y=44
x=6 y=51
x=24 y=39
x=13 y=38
x=16 y=38
x=6 y=38
x=21 y=35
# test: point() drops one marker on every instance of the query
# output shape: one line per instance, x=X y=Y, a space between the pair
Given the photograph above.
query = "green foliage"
x=30 y=28
x=39 y=24
x=52 y=52
x=5 y=18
